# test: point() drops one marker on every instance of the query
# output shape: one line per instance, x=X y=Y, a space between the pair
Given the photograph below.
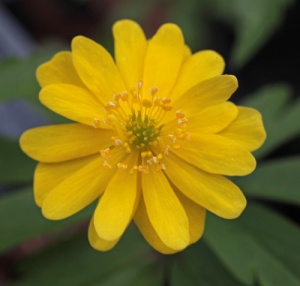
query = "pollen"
x=139 y=121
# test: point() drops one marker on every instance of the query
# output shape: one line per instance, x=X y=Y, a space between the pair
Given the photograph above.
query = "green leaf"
x=259 y=246
x=18 y=80
x=198 y=265
x=277 y=180
x=281 y=116
x=74 y=262
x=15 y=166
x=254 y=23
x=22 y=220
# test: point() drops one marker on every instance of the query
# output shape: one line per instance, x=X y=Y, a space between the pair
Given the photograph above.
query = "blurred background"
x=258 y=40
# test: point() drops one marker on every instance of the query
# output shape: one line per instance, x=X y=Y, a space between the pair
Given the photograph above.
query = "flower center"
x=139 y=124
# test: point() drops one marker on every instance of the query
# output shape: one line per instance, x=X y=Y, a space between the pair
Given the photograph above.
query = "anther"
x=96 y=122
x=180 y=114
x=106 y=153
x=153 y=90
x=166 y=100
x=122 y=166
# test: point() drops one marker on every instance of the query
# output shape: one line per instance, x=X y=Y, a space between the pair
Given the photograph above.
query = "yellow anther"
x=140 y=84
x=96 y=122
x=145 y=138
x=177 y=146
x=106 y=164
x=149 y=153
x=106 y=153
x=186 y=136
x=172 y=138
x=117 y=96
x=124 y=96
x=180 y=114
x=147 y=103
x=166 y=100
x=143 y=169
x=122 y=166
x=153 y=90
x=182 y=120
x=159 y=156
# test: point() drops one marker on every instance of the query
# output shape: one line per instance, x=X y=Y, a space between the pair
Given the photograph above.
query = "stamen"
x=96 y=122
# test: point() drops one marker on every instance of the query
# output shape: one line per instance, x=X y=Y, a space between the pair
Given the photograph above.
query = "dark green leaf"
x=15 y=166
x=277 y=180
x=281 y=116
x=259 y=246
x=21 y=219
x=74 y=262
x=198 y=265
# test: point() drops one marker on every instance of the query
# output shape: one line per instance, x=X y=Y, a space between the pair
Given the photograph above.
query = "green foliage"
x=276 y=180
x=281 y=115
x=15 y=166
x=261 y=246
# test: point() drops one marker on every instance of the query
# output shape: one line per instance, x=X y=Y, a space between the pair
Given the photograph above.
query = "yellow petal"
x=97 y=242
x=116 y=207
x=209 y=120
x=96 y=68
x=210 y=92
x=213 y=119
x=165 y=211
x=142 y=221
x=130 y=49
x=48 y=175
x=64 y=142
x=163 y=59
x=200 y=66
x=73 y=102
x=216 y=154
x=77 y=191
x=59 y=69
x=247 y=129
x=213 y=192
x=196 y=216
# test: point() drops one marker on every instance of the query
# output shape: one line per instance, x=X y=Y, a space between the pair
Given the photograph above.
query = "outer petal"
x=59 y=69
x=116 y=207
x=207 y=93
x=213 y=192
x=196 y=216
x=97 y=242
x=163 y=59
x=209 y=120
x=130 y=49
x=165 y=211
x=77 y=191
x=142 y=221
x=48 y=176
x=64 y=142
x=216 y=154
x=73 y=102
x=247 y=129
x=200 y=66
x=96 y=68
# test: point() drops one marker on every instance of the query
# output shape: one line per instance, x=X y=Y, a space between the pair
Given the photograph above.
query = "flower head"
x=154 y=138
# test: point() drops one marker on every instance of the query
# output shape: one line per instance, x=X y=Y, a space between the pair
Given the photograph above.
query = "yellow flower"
x=154 y=139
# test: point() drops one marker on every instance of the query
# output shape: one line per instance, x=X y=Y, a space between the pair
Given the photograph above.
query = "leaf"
x=21 y=219
x=259 y=246
x=74 y=262
x=198 y=265
x=277 y=180
x=281 y=116
x=254 y=23
x=15 y=166
x=18 y=80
